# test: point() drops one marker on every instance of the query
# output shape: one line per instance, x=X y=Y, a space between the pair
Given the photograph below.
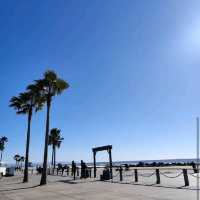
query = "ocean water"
x=117 y=163
x=165 y=161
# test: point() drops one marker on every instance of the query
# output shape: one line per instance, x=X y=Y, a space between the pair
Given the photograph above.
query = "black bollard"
x=157 y=176
x=185 y=175
x=136 y=175
x=120 y=173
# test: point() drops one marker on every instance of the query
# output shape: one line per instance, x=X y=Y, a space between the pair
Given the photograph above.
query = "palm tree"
x=3 y=141
x=50 y=86
x=26 y=103
x=17 y=159
x=22 y=158
x=55 y=140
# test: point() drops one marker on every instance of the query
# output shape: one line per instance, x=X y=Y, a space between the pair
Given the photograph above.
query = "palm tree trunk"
x=1 y=156
x=27 y=147
x=52 y=157
x=54 y=164
x=52 y=161
x=44 y=170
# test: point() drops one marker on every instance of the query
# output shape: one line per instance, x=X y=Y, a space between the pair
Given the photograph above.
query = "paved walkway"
x=61 y=188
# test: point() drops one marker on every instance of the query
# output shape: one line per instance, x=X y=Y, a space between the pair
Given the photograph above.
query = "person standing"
x=74 y=169
x=84 y=171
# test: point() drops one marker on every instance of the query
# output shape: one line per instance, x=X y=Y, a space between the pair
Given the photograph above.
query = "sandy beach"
x=12 y=188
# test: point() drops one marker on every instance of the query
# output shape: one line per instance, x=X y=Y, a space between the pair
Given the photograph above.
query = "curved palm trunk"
x=27 y=147
x=44 y=170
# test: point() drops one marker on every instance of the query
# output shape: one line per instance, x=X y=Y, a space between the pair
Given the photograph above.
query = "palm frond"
x=60 y=86
x=3 y=140
x=50 y=75
x=29 y=100
x=55 y=137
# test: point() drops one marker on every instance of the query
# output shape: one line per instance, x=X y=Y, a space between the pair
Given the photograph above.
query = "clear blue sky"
x=133 y=67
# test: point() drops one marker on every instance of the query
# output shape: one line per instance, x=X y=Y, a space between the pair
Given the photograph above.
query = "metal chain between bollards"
x=171 y=176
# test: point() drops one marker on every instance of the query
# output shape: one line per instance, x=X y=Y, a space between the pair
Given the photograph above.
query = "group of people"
x=84 y=173
x=84 y=169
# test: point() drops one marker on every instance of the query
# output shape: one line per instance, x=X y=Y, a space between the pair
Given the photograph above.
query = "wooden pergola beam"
x=102 y=148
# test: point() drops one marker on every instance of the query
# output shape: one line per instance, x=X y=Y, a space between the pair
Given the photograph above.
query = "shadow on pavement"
x=22 y=188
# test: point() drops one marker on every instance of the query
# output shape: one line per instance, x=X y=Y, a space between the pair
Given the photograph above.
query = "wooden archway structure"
x=107 y=148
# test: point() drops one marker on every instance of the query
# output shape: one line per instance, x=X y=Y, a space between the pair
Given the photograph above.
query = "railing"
x=155 y=175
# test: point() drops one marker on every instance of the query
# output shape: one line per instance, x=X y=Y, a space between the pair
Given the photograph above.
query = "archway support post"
x=95 y=167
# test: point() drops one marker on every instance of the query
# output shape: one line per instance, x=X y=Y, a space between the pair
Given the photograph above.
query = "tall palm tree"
x=26 y=103
x=3 y=141
x=55 y=140
x=17 y=159
x=50 y=86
